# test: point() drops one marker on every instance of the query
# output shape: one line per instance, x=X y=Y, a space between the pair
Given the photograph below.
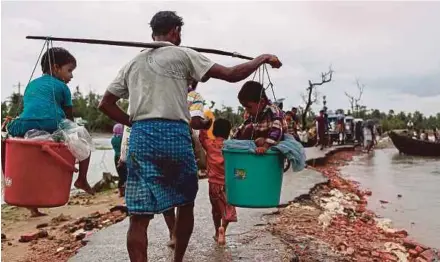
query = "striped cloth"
x=270 y=124
x=195 y=104
x=162 y=171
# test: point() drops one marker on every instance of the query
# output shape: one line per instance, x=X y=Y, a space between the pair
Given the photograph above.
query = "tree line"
x=86 y=107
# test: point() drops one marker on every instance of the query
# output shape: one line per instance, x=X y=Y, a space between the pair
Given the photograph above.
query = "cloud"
x=391 y=46
x=420 y=86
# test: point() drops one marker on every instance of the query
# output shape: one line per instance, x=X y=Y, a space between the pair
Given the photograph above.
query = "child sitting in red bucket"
x=222 y=212
x=46 y=102
x=266 y=123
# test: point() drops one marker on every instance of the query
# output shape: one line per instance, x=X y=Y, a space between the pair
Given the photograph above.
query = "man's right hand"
x=120 y=162
x=198 y=123
x=272 y=60
x=242 y=71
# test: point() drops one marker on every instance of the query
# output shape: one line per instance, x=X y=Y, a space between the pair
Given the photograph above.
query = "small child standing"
x=121 y=167
x=222 y=212
x=266 y=123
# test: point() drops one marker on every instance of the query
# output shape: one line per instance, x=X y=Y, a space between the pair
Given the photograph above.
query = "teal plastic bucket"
x=253 y=181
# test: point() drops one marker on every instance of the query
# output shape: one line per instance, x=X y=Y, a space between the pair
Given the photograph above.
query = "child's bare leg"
x=81 y=182
x=217 y=224
x=35 y=212
x=225 y=224
x=222 y=232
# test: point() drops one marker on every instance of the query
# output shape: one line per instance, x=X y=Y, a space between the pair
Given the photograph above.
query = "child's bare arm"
x=274 y=136
x=203 y=137
x=260 y=141
x=262 y=146
x=66 y=103
x=68 y=111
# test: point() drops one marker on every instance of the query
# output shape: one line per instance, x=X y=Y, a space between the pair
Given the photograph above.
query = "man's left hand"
x=207 y=123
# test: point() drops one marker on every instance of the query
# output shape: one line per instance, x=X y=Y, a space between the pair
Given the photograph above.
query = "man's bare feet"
x=36 y=213
x=221 y=236
x=121 y=191
x=84 y=185
x=172 y=242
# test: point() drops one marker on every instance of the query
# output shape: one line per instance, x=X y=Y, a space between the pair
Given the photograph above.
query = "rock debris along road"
x=247 y=240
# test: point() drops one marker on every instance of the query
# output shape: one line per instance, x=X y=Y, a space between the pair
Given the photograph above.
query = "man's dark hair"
x=222 y=128
x=251 y=91
x=294 y=108
x=56 y=56
x=289 y=113
x=165 y=21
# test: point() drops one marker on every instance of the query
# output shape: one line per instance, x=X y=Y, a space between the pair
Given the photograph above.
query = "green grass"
x=103 y=148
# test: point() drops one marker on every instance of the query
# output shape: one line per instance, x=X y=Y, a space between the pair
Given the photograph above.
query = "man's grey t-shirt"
x=156 y=82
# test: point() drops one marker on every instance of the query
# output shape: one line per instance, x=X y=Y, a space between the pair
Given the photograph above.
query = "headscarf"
x=118 y=129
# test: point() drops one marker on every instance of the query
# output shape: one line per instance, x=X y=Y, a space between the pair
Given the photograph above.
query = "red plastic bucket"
x=37 y=173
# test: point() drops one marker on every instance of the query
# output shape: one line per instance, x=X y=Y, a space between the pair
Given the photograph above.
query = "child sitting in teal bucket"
x=266 y=123
x=222 y=212
x=47 y=101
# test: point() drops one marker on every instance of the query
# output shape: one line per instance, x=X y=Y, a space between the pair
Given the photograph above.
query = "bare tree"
x=312 y=94
x=353 y=100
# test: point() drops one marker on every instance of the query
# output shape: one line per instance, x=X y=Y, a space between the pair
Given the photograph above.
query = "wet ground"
x=243 y=245
x=248 y=240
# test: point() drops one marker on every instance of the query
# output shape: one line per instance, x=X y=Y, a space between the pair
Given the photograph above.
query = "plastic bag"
x=35 y=134
x=79 y=147
x=77 y=139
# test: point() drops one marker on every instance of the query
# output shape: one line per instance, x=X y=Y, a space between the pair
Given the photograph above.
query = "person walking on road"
x=162 y=171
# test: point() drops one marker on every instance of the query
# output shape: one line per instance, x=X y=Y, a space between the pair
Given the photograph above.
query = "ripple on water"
x=417 y=179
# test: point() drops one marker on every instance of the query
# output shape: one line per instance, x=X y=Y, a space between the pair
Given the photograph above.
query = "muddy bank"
x=403 y=181
x=332 y=223
x=59 y=234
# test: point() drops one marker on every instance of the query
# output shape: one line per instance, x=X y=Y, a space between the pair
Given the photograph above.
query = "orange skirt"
x=220 y=207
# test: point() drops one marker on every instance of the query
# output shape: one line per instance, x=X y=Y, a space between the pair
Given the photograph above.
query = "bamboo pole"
x=134 y=44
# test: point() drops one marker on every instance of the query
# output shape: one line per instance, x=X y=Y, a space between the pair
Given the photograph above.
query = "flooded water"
x=101 y=160
x=388 y=174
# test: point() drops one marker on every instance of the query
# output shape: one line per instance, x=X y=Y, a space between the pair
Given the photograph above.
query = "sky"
x=393 y=48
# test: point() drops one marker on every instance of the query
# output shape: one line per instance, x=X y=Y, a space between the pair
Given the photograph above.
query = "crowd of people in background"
x=363 y=132
x=423 y=134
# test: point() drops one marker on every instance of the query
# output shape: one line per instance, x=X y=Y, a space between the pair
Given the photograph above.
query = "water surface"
x=417 y=179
